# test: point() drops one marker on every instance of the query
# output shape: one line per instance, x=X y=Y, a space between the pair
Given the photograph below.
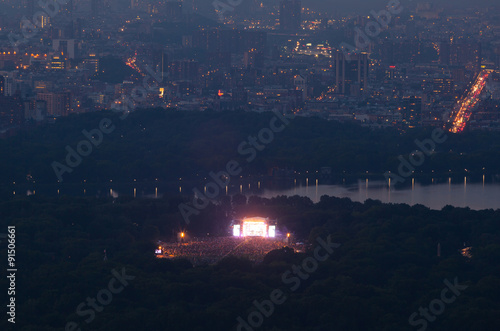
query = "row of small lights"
x=180 y=179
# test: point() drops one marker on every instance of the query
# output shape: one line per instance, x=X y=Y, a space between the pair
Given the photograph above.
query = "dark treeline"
x=170 y=144
x=385 y=269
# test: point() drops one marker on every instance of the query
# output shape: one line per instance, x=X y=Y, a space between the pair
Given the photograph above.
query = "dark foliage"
x=384 y=270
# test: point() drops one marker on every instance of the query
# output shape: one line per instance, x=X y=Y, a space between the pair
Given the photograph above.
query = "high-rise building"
x=184 y=70
x=65 y=46
x=29 y=5
x=227 y=40
x=43 y=85
x=218 y=60
x=239 y=96
x=35 y=110
x=458 y=74
x=173 y=10
x=411 y=111
x=468 y=54
x=393 y=52
x=253 y=59
x=9 y=85
x=300 y=84
x=58 y=62
x=67 y=9
x=216 y=40
x=497 y=58
x=2 y=86
x=253 y=40
x=44 y=19
x=10 y=59
x=290 y=15
x=91 y=63
x=58 y=104
x=464 y=53
x=351 y=75
x=95 y=7
x=444 y=53
x=428 y=11
x=11 y=111
x=443 y=86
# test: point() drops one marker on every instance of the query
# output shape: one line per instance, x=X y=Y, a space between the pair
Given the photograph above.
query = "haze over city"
x=285 y=165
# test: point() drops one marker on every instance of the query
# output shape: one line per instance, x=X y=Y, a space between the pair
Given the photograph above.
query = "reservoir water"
x=435 y=196
x=434 y=193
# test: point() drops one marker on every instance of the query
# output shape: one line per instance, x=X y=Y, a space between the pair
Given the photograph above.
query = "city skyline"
x=295 y=165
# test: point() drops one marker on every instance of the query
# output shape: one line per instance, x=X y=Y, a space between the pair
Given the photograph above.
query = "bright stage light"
x=236 y=230
x=254 y=227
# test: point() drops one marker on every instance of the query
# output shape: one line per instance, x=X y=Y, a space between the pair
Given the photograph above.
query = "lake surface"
x=434 y=193
x=435 y=196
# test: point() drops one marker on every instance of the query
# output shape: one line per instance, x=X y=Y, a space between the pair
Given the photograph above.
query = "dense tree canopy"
x=167 y=145
x=385 y=269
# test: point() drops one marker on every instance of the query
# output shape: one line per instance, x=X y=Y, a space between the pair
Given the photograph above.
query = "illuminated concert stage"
x=254 y=227
x=252 y=238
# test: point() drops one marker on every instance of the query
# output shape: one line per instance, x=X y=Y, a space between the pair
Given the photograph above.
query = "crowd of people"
x=210 y=250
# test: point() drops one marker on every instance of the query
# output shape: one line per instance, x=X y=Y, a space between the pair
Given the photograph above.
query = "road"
x=465 y=106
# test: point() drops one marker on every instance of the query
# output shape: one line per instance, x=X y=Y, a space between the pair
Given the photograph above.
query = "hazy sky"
x=352 y=5
x=361 y=6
